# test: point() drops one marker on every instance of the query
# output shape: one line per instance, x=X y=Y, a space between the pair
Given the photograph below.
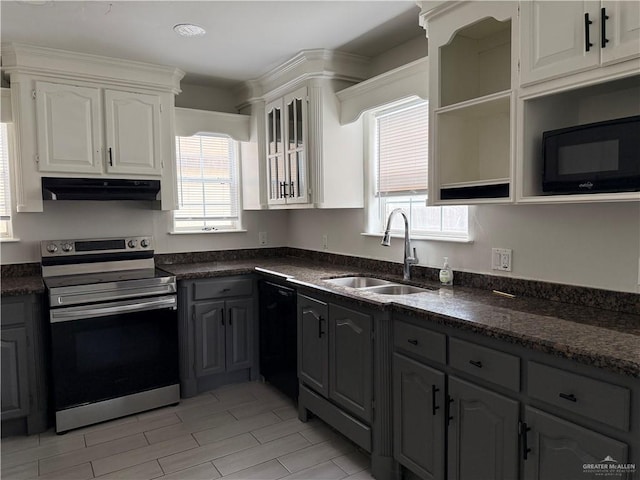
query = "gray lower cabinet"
x=494 y=407
x=23 y=378
x=558 y=450
x=313 y=344
x=335 y=354
x=482 y=433
x=217 y=333
x=418 y=417
x=15 y=379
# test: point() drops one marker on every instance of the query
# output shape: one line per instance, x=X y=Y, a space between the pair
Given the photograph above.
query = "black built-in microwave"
x=593 y=158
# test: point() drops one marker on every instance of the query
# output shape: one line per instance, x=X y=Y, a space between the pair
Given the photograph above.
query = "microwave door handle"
x=93 y=311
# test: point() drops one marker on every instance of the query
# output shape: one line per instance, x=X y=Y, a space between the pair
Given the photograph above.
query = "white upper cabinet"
x=81 y=115
x=69 y=128
x=304 y=157
x=132 y=133
x=565 y=37
x=473 y=57
x=287 y=166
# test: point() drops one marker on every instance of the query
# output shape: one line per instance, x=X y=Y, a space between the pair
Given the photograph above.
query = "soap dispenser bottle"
x=446 y=274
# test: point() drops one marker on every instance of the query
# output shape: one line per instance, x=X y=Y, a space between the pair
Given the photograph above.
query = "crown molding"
x=36 y=60
x=317 y=63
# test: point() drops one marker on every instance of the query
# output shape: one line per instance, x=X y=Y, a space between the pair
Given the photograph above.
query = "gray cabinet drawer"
x=205 y=289
x=485 y=363
x=585 y=396
x=420 y=341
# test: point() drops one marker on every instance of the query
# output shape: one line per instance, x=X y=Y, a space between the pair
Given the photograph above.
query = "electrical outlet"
x=501 y=259
x=325 y=241
x=262 y=238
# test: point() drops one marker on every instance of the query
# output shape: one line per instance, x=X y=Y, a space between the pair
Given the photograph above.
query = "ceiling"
x=244 y=39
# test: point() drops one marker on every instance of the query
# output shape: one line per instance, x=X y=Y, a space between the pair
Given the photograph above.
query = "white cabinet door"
x=554 y=38
x=133 y=133
x=276 y=172
x=621 y=29
x=296 y=141
x=69 y=128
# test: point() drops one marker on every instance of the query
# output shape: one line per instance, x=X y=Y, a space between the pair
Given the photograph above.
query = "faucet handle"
x=413 y=259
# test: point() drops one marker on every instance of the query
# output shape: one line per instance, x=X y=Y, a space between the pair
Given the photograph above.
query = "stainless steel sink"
x=359 y=282
x=396 y=289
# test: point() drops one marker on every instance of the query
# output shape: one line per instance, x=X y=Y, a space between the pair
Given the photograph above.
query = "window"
x=208 y=187
x=400 y=143
x=5 y=192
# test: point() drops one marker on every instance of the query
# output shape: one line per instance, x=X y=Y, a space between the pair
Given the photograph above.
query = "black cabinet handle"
x=603 y=27
x=570 y=396
x=225 y=290
x=413 y=341
x=434 y=390
x=320 y=332
x=222 y=315
x=110 y=157
x=292 y=190
x=587 y=43
x=524 y=440
x=283 y=192
x=476 y=363
x=449 y=416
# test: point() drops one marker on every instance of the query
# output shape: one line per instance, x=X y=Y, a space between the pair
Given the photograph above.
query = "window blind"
x=207 y=181
x=402 y=142
x=5 y=194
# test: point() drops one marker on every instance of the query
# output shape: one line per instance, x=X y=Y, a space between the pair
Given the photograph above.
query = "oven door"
x=109 y=350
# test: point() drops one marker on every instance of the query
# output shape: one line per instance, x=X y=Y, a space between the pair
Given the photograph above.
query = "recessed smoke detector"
x=189 y=30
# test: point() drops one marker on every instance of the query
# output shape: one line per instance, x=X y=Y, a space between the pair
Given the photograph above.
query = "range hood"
x=54 y=188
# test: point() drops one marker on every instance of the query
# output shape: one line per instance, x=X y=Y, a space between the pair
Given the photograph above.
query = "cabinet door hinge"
x=28 y=341
x=160 y=108
x=33 y=94
x=518 y=66
x=373 y=335
x=37 y=158
x=373 y=406
x=31 y=400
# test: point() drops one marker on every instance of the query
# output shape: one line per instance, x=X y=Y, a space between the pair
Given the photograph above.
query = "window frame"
x=233 y=225
x=8 y=235
x=375 y=221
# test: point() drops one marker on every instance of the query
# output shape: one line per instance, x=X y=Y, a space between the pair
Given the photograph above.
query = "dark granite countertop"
x=602 y=338
x=11 y=286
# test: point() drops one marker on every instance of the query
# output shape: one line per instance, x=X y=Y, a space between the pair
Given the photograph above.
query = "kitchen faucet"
x=386 y=241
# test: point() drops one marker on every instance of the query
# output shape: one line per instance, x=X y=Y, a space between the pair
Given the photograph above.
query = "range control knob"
x=52 y=248
x=132 y=243
x=67 y=247
x=144 y=243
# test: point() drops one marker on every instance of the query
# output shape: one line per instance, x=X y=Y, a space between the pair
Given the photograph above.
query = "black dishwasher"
x=278 y=337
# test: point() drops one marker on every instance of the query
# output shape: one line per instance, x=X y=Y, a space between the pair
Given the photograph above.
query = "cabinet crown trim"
x=36 y=60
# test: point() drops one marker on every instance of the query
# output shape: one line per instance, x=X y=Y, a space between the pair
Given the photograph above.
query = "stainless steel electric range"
x=114 y=334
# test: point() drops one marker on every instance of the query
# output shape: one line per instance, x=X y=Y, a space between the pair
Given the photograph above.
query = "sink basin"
x=359 y=282
x=396 y=289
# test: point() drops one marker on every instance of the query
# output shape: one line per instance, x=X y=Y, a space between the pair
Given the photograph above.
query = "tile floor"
x=245 y=431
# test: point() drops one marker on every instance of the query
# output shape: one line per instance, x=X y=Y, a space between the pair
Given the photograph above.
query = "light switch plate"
x=501 y=259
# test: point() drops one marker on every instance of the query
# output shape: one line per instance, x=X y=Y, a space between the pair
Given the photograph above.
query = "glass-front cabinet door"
x=287 y=171
x=276 y=174
x=296 y=130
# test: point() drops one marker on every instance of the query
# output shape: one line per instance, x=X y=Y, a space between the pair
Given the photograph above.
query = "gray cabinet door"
x=559 y=450
x=483 y=434
x=239 y=334
x=14 y=376
x=418 y=417
x=209 y=338
x=350 y=360
x=313 y=344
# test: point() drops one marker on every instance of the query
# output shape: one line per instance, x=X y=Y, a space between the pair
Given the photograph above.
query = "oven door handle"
x=93 y=311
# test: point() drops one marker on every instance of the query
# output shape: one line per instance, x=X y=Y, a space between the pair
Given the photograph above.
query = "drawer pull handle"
x=413 y=341
x=587 y=41
x=571 y=397
x=476 y=363
x=434 y=390
x=225 y=290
